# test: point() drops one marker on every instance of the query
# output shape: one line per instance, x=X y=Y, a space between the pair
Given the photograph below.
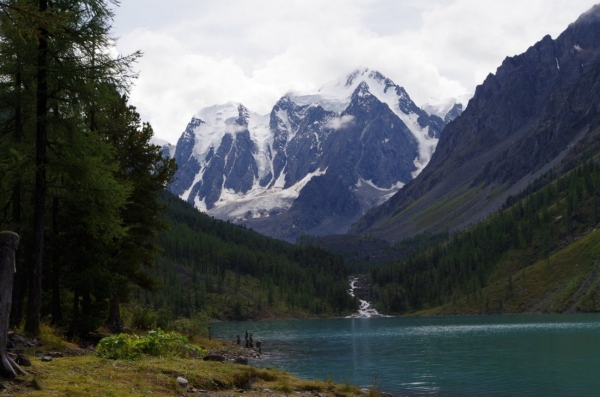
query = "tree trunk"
x=9 y=242
x=114 y=322
x=75 y=315
x=20 y=280
x=57 y=316
x=34 y=303
x=16 y=312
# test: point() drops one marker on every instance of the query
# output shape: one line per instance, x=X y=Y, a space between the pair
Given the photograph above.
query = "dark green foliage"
x=78 y=175
x=203 y=257
x=535 y=225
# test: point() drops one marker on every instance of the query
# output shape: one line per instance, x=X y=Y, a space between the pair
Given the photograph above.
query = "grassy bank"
x=90 y=375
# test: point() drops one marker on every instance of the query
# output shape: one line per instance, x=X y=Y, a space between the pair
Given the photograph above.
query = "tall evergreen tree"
x=70 y=40
x=142 y=165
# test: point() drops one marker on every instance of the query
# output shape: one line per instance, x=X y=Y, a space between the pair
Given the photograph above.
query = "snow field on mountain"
x=290 y=117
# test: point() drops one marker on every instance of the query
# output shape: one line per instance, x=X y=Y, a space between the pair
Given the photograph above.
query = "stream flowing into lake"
x=365 y=309
x=509 y=355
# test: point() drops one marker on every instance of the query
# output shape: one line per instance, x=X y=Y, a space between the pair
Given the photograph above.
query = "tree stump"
x=9 y=242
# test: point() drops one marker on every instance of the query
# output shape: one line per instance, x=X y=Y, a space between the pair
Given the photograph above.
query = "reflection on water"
x=532 y=355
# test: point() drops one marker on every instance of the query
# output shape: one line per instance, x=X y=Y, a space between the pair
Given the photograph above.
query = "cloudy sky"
x=199 y=53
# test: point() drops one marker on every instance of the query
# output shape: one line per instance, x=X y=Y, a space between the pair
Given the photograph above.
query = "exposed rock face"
x=521 y=121
x=315 y=164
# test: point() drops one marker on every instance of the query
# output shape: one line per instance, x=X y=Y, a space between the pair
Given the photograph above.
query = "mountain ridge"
x=360 y=138
x=507 y=136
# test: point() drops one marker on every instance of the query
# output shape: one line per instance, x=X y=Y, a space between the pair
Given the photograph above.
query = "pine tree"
x=58 y=49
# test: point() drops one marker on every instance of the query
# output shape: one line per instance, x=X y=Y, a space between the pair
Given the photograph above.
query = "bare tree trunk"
x=75 y=315
x=34 y=302
x=9 y=242
x=16 y=312
x=57 y=316
x=114 y=322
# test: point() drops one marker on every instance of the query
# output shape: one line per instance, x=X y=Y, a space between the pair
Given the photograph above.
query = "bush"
x=50 y=338
x=195 y=326
x=157 y=343
x=164 y=319
x=143 y=317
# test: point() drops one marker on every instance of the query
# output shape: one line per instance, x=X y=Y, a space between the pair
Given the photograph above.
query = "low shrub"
x=197 y=325
x=157 y=343
x=50 y=338
x=143 y=317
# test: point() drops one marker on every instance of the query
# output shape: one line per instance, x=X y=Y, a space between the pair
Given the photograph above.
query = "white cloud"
x=201 y=52
x=338 y=123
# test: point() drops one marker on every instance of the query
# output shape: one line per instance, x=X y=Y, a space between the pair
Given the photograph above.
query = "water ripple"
x=443 y=356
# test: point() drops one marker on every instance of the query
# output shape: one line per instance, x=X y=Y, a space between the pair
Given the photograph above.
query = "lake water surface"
x=520 y=355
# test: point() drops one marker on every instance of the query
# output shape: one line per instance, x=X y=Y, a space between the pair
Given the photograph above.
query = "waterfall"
x=365 y=310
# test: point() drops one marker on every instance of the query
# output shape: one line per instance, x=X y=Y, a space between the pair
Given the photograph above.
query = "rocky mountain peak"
x=357 y=140
x=591 y=16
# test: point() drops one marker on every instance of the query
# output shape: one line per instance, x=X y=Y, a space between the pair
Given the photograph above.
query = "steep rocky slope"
x=538 y=109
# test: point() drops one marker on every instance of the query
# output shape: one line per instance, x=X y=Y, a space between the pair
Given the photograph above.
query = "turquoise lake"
x=509 y=355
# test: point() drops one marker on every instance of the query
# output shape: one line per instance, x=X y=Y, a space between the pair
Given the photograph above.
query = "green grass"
x=95 y=376
x=443 y=205
x=436 y=210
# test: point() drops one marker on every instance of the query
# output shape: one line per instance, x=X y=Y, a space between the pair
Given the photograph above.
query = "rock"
x=182 y=381
x=39 y=353
x=241 y=360
x=47 y=358
x=55 y=354
x=23 y=360
x=384 y=394
x=214 y=357
x=10 y=344
x=364 y=390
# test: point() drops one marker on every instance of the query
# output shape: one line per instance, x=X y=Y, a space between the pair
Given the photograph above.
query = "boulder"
x=182 y=381
x=214 y=357
x=23 y=360
x=241 y=360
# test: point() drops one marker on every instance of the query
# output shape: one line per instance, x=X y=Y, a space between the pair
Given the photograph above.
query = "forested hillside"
x=234 y=273
x=541 y=253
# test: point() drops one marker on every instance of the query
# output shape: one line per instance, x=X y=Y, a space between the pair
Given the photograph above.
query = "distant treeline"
x=204 y=257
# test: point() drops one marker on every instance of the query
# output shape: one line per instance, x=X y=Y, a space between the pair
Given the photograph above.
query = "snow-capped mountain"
x=167 y=148
x=447 y=108
x=314 y=164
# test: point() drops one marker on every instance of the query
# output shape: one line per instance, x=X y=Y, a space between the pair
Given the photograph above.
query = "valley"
x=354 y=231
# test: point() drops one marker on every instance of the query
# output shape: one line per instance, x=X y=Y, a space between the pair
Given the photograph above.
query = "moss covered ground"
x=90 y=375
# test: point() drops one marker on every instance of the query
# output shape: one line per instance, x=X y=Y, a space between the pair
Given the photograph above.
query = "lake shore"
x=85 y=374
